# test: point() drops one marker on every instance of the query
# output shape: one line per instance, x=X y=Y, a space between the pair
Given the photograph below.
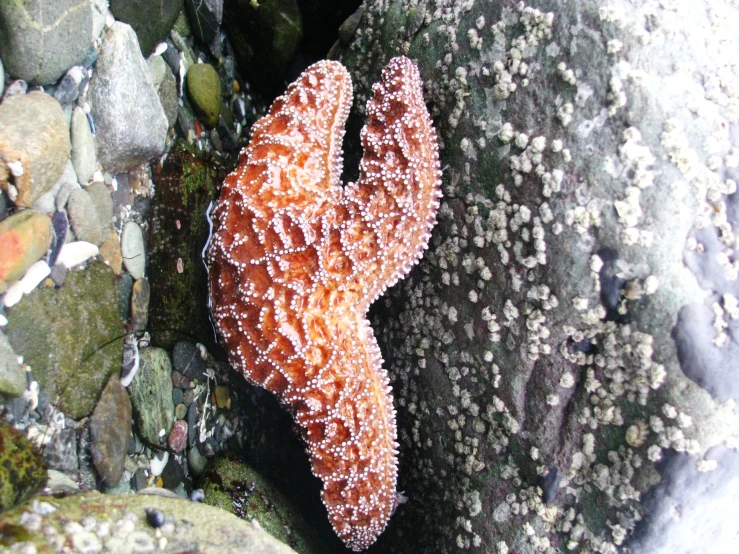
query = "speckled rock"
x=235 y=487
x=204 y=91
x=39 y=40
x=187 y=360
x=574 y=311
x=110 y=431
x=22 y=469
x=12 y=376
x=121 y=92
x=24 y=238
x=132 y=249
x=90 y=213
x=151 y=20
x=65 y=334
x=35 y=140
x=168 y=96
x=177 y=440
x=119 y=524
x=58 y=194
x=110 y=252
x=151 y=394
x=83 y=146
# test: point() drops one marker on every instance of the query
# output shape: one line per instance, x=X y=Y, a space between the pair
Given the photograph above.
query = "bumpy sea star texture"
x=296 y=260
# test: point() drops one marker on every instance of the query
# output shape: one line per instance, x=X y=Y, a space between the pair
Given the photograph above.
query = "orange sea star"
x=296 y=260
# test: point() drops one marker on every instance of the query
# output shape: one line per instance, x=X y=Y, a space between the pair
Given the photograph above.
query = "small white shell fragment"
x=16 y=168
x=35 y=274
x=3 y=320
x=74 y=253
x=160 y=49
x=13 y=294
x=156 y=466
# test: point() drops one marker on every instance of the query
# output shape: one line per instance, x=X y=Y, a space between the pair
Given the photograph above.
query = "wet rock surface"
x=22 y=469
x=35 y=141
x=537 y=332
x=186 y=186
x=71 y=337
x=120 y=523
x=151 y=394
x=235 y=487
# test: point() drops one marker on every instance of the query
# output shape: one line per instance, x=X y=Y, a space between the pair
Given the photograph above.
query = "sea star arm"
x=393 y=205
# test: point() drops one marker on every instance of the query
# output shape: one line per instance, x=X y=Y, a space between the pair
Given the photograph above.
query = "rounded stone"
x=204 y=90
x=83 y=217
x=110 y=430
x=180 y=410
x=103 y=200
x=83 y=146
x=110 y=252
x=196 y=461
x=24 y=238
x=151 y=393
x=140 y=296
x=178 y=436
x=35 y=139
x=132 y=249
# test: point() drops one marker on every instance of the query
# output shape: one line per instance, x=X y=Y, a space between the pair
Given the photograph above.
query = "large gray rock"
x=576 y=311
x=35 y=141
x=40 y=40
x=131 y=124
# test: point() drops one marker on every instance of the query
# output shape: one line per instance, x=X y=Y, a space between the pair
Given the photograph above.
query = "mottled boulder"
x=35 y=142
x=151 y=394
x=22 y=469
x=71 y=337
x=118 y=523
x=131 y=124
x=41 y=40
x=574 y=320
x=236 y=488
